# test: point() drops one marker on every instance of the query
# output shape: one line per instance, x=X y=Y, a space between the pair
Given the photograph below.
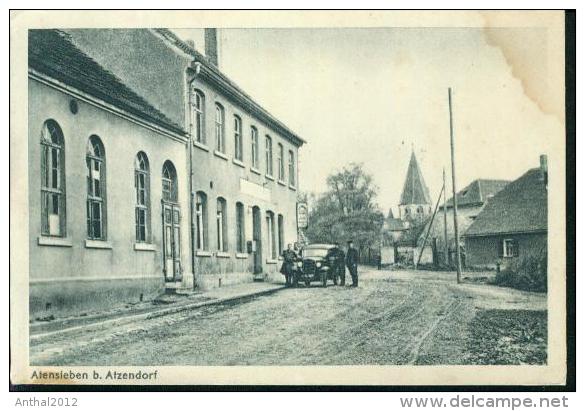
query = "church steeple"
x=415 y=201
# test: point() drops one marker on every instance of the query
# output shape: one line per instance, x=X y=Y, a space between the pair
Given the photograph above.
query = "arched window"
x=271 y=235
x=238 y=146
x=280 y=161
x=291 y=168
x=219 y=128
x=222 y=238
x=280 y=234
x=240 y=228
x=198 y=113
x=53 y=220
x=268 y=155
x=96 y=189
x=255 y=147
x=201 y=220
x=169 y=183
x=142 y=186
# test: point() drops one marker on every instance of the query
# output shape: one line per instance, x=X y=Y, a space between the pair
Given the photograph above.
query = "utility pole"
x=457 y=250
x=445 y=218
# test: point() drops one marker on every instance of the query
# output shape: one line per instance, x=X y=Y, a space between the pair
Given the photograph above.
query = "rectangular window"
x=269 y=156
x=219 y=129
x=52 y=196
x=280 y=161
x=255 y=148
x=510 y=248
x=198 y=119
x=238 y=149
x=95 y=220
x=142 y=206
x=291 y=168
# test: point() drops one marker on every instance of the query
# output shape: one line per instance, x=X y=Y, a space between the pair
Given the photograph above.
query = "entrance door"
x=257 y=237
x=171 y=242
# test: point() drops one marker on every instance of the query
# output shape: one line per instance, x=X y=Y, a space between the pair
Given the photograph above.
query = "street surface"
x=394 y=317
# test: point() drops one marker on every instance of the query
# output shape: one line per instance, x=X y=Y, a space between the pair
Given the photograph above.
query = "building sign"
x=302 y=215
x=255 y=190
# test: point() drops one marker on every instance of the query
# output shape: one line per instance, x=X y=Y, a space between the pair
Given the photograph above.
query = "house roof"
x=229 y=86
x=415 y=190
x=52 y=53
x=477 y=192
x=437 y=229
x=520 y=207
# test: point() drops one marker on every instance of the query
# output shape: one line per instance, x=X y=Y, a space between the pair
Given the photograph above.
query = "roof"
x=477 y=192
x=437 y=229
x=52 y=53
x=229 y=86
x=415 y=190
x=521 y=207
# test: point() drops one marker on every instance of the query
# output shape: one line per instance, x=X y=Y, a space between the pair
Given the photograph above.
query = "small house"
x=513 y=224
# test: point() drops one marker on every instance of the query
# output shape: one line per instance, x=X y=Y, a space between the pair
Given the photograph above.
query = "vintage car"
x=318 y=262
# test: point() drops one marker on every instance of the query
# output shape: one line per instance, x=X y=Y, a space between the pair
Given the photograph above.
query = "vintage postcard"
x=288 y=198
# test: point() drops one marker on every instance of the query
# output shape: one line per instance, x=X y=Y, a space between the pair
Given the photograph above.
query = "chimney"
x=211 y=46
x=544 y=169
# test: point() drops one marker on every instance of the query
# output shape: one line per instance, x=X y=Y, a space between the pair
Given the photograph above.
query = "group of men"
x=290 y=257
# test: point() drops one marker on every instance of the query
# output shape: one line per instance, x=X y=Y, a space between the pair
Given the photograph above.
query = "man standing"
x=351 y=260
x=289 y=258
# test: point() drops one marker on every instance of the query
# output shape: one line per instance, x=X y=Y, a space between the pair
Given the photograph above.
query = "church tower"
x=415 y=201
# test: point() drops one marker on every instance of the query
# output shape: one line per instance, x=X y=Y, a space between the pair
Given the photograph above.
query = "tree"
x=347 y=210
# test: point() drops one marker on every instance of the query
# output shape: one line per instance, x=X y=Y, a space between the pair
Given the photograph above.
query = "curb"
x=154 y=314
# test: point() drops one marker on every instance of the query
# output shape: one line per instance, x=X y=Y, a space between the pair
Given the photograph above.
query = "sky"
x=372 y=95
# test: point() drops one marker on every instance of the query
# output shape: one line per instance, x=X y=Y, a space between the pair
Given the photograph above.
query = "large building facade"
x=148 y=173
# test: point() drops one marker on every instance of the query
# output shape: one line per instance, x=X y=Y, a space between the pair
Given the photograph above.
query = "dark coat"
x=351 y=258
x=289 y=257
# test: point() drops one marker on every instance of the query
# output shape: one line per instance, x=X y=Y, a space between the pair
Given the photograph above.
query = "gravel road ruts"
x=393 y=317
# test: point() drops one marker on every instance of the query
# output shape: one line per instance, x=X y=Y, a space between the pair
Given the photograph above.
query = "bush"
x=528 y=273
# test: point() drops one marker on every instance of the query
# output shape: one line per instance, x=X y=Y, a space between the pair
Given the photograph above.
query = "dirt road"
x=392 y=318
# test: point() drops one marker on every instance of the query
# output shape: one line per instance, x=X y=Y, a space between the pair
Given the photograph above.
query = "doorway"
x=171 y=242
